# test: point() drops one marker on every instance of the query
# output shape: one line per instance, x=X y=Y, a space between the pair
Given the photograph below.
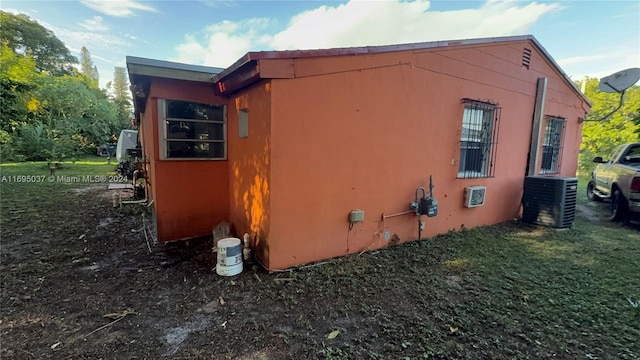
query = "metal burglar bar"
x=478 y=139
x=552 y=146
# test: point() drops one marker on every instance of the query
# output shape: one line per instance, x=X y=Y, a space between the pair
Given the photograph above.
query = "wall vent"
x=474 y=196
x=550 y=200
x=526 y=58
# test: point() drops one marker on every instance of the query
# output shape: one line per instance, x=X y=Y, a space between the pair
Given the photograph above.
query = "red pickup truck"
x=618 y=179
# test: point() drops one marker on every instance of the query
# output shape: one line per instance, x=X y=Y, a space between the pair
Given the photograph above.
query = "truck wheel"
x=619 y=207
x=591 y=195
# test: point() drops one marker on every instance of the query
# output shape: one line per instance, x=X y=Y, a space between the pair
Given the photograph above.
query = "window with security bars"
x=552 y=145
x=190 y=130
x=478 y=139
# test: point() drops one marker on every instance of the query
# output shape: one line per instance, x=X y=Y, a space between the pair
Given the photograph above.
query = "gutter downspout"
x=538 y=114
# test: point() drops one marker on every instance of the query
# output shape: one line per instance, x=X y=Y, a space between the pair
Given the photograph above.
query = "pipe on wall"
x=135 y=178
x=538 y=115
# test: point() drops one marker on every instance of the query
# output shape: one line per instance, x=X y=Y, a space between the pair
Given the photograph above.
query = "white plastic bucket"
x=229 y=257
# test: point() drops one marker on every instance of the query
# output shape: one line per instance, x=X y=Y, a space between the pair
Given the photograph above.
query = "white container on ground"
x=229 y=257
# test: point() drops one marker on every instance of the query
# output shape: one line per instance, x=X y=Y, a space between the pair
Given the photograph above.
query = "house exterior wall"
x=250 y=166
x=363 y=132
x=146 y=131
x=190 y=196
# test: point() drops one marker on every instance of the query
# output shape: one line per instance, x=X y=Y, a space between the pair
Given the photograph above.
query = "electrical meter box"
x=428 y=206
x=356 y=216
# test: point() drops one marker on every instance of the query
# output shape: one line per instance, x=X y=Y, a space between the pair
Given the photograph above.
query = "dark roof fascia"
x=170 y=70
x=362 y=50
x=244 y=74
x=141 y=70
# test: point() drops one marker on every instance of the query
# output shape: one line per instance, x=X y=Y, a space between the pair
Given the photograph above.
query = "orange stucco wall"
x=363 y=132
x=250 y=166
x=146 y=133
x=190 y=196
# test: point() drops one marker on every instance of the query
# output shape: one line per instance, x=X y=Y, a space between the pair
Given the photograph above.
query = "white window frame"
x=553 y=141
x=163 y=137
x=243 y=123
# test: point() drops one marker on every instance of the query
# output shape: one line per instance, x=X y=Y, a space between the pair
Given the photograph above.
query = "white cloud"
x=607 y=62
x=16 y=11
x=103 y=47
x=94 y=57
x=92 y=40
x=224 y=42
x=95 y=24
x=361 y=23
x=218 y=3
x=117 y=7
x=582 y=59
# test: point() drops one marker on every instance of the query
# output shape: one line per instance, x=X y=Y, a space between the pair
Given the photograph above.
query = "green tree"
x=26 y=37
x=120 y=85
x=65 y=117
x=121 y=99
x=17 y=81
x=599 y=138
x=88 y=69
x=50 y=111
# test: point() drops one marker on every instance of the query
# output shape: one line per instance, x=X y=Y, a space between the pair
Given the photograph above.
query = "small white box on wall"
x=474 y=196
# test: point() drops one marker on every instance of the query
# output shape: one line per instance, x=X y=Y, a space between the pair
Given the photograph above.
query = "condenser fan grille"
x=550 y=200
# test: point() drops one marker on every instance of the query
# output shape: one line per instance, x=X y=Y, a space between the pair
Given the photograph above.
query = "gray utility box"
x=550 y=200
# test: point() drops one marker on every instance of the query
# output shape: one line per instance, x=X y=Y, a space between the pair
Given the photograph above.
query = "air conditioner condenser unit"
x=550 y=200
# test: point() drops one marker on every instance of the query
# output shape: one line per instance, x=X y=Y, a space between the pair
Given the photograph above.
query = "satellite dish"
x=620 y=81
x=617 y=83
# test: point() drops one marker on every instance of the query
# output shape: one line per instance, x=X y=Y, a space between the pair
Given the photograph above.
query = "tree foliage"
x=17 y=79
x=121 y=97
x=599 y=138
x=88 y=69
x=26 y=37
x=49 y=114
x=63 y=117
x=120 y=85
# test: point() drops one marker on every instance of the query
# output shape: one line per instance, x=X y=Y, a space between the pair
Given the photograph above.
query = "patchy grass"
x=86 y=165
x=500 y=292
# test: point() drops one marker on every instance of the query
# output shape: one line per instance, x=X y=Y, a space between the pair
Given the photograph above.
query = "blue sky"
x=593 y=38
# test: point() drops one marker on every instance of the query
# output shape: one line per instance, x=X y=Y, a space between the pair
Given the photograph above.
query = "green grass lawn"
x=31 y=181
x=505 y=291
x=509 y=291
x=86 y=165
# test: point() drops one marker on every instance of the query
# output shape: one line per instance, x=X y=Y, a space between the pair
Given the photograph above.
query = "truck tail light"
x=635 y=184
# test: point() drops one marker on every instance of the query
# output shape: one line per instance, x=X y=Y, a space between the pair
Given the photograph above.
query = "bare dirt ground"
x=594 y=211
x=68 y=262
x=79 y=282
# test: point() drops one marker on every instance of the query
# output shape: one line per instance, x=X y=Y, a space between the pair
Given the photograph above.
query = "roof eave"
x=252 y=58
x=244 y=75
x=171 y=70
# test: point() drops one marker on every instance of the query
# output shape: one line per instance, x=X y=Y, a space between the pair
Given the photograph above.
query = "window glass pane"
x=634 y=152
x=471 y=158
x=194 y=130
x=547 y=158
x=243 y=123
x=192 y=149
x=190 y=110
x=477 y=140
x=551 y=145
